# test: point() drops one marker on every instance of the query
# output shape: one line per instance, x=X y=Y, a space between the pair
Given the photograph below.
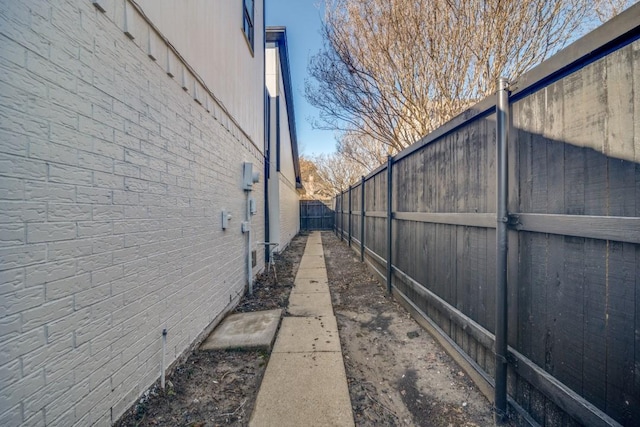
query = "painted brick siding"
x=112 y=182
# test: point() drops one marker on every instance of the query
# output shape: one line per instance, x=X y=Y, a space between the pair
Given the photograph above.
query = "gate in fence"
x=316 y=215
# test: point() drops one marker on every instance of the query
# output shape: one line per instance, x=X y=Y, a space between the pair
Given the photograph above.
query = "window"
x=247 y=21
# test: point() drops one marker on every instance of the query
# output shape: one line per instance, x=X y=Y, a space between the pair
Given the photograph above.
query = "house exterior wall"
x=289 y=211
x=112 y=182
x=271 y=83
x=288 y=199
x=271 y=69
x=273 y=182
x=284 y=209
x=208 y=34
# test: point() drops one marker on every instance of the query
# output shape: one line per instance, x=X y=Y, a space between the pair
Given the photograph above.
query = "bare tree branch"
x=393 y=71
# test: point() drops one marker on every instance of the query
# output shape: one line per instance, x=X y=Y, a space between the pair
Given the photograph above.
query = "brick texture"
x=112 y=182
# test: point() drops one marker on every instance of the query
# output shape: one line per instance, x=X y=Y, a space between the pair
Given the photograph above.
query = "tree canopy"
x=393 y=71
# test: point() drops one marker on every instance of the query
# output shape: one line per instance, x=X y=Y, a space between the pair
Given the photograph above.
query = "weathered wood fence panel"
x=574 y=232
x=316 y=215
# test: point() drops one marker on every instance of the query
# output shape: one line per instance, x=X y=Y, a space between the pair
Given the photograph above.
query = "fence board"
x=594 y=357
x=570 y=328
x=574 y=239
x=620 y=326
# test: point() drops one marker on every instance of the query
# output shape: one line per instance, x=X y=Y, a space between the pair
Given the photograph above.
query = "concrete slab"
x=316 y=395
x=312 y=273
x=312 y=262
x=313 y=245
x=317 y=304
x=310 y=286
x=311 y=280
x=305 y=382
x=314 y=255
x=307 y=255
x=307 y=334
x=244 y=330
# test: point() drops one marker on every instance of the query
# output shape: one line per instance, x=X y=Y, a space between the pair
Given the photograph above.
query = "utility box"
x=253 y=206
x=249 y=177
x=225 y=219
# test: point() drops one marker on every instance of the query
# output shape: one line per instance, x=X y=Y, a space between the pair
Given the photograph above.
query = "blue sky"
x=303 y=21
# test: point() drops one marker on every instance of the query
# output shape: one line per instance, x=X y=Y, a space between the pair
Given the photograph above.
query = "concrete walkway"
x=305 y=382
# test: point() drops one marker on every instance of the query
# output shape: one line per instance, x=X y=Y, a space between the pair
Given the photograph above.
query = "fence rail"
x=573 y=233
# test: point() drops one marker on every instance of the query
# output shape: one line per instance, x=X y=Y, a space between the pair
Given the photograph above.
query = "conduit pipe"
x=164 y=352
x=248 y=230
x=502 y=120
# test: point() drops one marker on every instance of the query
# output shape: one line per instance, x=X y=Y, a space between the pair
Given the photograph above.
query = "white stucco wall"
x=274 y=186
x=289 y=200
x=284 y=210
x=289 y=211
x=208 y=34
x=112 y=182
x=271 y=69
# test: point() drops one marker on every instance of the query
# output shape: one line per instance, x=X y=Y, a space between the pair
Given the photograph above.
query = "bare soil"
x=397 y=374
x=216 y=388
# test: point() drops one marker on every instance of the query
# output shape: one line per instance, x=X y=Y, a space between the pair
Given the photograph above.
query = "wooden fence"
x=316 y=215
x=573 y=281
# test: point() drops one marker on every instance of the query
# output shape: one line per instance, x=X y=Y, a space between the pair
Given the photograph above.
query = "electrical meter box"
x=225 y=219
x=249 y=176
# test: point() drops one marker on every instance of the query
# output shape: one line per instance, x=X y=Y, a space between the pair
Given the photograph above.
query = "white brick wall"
x=112 y=183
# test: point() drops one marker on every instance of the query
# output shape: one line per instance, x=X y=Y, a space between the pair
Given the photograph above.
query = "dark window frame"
x=248 y=23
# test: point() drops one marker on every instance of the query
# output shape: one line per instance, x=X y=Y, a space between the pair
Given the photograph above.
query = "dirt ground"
x=397 y=374
x=215 y=388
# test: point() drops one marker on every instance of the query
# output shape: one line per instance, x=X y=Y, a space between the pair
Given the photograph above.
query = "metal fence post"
x=502 y=107
x=341 y=215
x=341 y=210
x=338 y=215
x=335 y=214
x=389 y=221
x=362 y=220
x=350 y=216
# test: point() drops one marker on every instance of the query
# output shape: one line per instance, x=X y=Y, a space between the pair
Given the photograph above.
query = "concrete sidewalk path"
x=305 y=382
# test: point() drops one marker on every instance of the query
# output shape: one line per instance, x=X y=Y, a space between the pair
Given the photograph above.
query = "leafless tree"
x=393 y=71
x=363 y=150
x=604 y=10
x=316 y=188
x=338 y=172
